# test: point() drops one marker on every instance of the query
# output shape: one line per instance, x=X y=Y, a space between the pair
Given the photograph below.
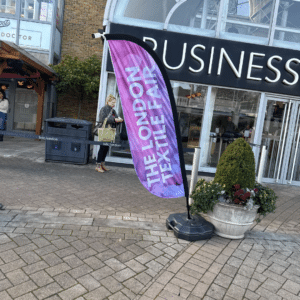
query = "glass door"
x=25 y=109
x=293 y=166
x=281 y=136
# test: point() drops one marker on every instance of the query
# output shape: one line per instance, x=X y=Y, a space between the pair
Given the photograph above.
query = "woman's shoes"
x=103 y=167
x=99 y=169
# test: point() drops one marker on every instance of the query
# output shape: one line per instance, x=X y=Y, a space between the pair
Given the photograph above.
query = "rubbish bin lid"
x=69 y=121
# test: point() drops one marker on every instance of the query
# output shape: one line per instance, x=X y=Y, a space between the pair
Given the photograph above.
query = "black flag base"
x=1 y=207
x=194 y=229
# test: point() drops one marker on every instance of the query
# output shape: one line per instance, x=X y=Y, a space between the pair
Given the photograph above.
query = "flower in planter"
x=234 y=183
x=241 y=196
x=266 y=198
x=206 y=195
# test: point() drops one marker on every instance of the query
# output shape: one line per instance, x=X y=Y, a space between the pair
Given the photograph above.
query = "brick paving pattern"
x=70 y=233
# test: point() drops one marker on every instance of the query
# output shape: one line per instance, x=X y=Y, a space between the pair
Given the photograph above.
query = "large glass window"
x=8 y=6
x=155 y=10
x=191 y=16
x=41 y=10
x=248 y=18
x=144 y=13
x=288 y=24
x=233 y=116
x=201 y=15
x=190 y=101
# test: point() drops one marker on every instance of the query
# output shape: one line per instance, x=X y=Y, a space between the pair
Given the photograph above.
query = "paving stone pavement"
x=70 y=233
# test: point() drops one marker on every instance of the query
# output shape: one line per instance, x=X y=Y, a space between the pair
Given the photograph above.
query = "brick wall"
x=81 y=19
x=68 y=105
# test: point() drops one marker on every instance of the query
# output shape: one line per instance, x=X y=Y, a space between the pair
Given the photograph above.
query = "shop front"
x=234 y=69
x=27 y=84
x=36 y=27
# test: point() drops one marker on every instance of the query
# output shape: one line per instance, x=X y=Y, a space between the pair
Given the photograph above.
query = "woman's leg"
x=100 y=159
x=105 y=150
x=3 y=127
x=100 y=155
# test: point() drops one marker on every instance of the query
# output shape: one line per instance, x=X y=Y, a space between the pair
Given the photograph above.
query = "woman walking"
x=108 y=112
x=3 y=113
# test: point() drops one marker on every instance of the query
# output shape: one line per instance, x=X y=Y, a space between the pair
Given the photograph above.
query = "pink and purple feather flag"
x=149 y=117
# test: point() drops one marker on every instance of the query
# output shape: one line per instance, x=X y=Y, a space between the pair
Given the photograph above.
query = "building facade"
x=35 y=26
x=234 y=67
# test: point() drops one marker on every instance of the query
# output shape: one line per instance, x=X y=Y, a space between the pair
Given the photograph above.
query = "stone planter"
x=232 y=221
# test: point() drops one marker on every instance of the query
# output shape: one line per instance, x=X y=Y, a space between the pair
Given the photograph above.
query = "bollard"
x=194 y=174
x=262 y=164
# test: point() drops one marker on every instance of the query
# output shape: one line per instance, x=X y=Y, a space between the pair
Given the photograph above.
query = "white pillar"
x=259 y=125
x=206 y=125
x=194 y=174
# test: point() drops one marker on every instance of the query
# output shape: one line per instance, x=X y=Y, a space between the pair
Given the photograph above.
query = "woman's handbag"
x=95 y=131
x=106 y=134
x=100 y=125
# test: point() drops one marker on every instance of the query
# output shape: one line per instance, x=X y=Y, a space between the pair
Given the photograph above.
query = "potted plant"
x=233 y=199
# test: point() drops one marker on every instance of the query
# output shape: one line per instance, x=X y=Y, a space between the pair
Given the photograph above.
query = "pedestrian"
x=3 y=113
x=108 y=112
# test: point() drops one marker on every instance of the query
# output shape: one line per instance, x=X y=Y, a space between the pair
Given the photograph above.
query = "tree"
x=79 y=76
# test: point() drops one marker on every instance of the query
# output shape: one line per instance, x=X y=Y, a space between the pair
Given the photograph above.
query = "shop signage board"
x=219 y=62
x=31 y=35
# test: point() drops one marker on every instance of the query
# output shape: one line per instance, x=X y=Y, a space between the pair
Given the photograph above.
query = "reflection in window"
x=234 y=116
x=37 y=10
x=198 y=14
x=155 y=10
x=251 y=17
x=190 y=101
x=289 y=22
x=8 y=6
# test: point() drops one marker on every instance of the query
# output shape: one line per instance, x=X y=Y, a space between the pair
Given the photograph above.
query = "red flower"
x=237 y=186
x=238 y=193
x=255 y=190
x=247 y=195
x=237 y=201
x=243 y=197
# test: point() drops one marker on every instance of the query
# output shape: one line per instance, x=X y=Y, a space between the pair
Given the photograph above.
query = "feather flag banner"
x=149 y=116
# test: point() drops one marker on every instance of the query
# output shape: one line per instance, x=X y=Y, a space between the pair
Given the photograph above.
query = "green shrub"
x=236 y=166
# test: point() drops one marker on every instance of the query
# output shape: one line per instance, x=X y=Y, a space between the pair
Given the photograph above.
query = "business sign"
x=30 y=35
x=220 y=62
x=4 y=23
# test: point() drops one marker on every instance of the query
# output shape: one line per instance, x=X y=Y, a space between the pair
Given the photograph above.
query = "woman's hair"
x=109 y=98
x=3 y=93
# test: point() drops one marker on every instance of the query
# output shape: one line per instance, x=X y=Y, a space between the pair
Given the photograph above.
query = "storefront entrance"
x=281 y=134
x=25 y=112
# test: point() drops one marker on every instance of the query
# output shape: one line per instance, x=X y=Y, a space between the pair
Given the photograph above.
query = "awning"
x=17 y=63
